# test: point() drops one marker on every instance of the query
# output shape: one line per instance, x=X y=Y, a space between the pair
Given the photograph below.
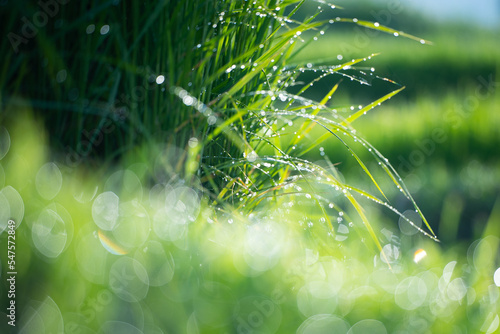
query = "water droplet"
x=193 y=142
x=90 y=29
x=252 y=156
x=104 y=29
x=160 y=79
x=61 y=76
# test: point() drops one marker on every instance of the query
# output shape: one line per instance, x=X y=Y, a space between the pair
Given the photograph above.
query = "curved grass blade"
x=379 y=27
x=372 y=105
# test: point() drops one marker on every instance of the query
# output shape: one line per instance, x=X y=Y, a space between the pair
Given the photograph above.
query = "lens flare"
x=109 y=245
x=419 y=255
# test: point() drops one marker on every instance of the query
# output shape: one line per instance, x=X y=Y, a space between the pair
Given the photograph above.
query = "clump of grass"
x=211 y=79
x=212 y=185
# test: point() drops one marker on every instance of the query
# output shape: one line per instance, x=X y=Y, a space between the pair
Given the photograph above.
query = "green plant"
x=214 y=75
x=203 y=193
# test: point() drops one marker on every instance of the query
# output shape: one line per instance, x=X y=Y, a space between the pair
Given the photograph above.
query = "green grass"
x=446 y=91
x=165 y=171
x=222 y=77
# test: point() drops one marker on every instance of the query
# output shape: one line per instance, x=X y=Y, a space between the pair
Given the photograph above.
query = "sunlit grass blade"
x=360 y=162
x=379 y=27
x=366 y=223
x=328 y=96
x=372 y=105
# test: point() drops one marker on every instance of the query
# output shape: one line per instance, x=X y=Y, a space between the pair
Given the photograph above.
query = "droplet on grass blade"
x=410 y=228
x=90 y=29
x=193 y=142
x=160 y=79
x=342 y=232
x=252 y=156
x=104 y=29
x=61 y=76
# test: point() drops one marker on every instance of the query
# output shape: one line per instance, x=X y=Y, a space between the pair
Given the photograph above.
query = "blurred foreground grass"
x=201 y=213
x=173 y=264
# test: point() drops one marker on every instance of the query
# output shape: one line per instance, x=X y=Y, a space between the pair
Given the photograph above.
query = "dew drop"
x=160 y=79
x=104 y=29
x=90 y=29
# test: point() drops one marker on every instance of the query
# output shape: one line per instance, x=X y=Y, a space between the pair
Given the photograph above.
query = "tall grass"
x=208 y=78
x=200 y=124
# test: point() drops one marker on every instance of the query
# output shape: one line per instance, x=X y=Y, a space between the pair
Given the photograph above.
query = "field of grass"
x=174 y=172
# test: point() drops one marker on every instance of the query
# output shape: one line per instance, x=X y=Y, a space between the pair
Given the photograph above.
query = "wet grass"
x=217 y=98
x=176 y=178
